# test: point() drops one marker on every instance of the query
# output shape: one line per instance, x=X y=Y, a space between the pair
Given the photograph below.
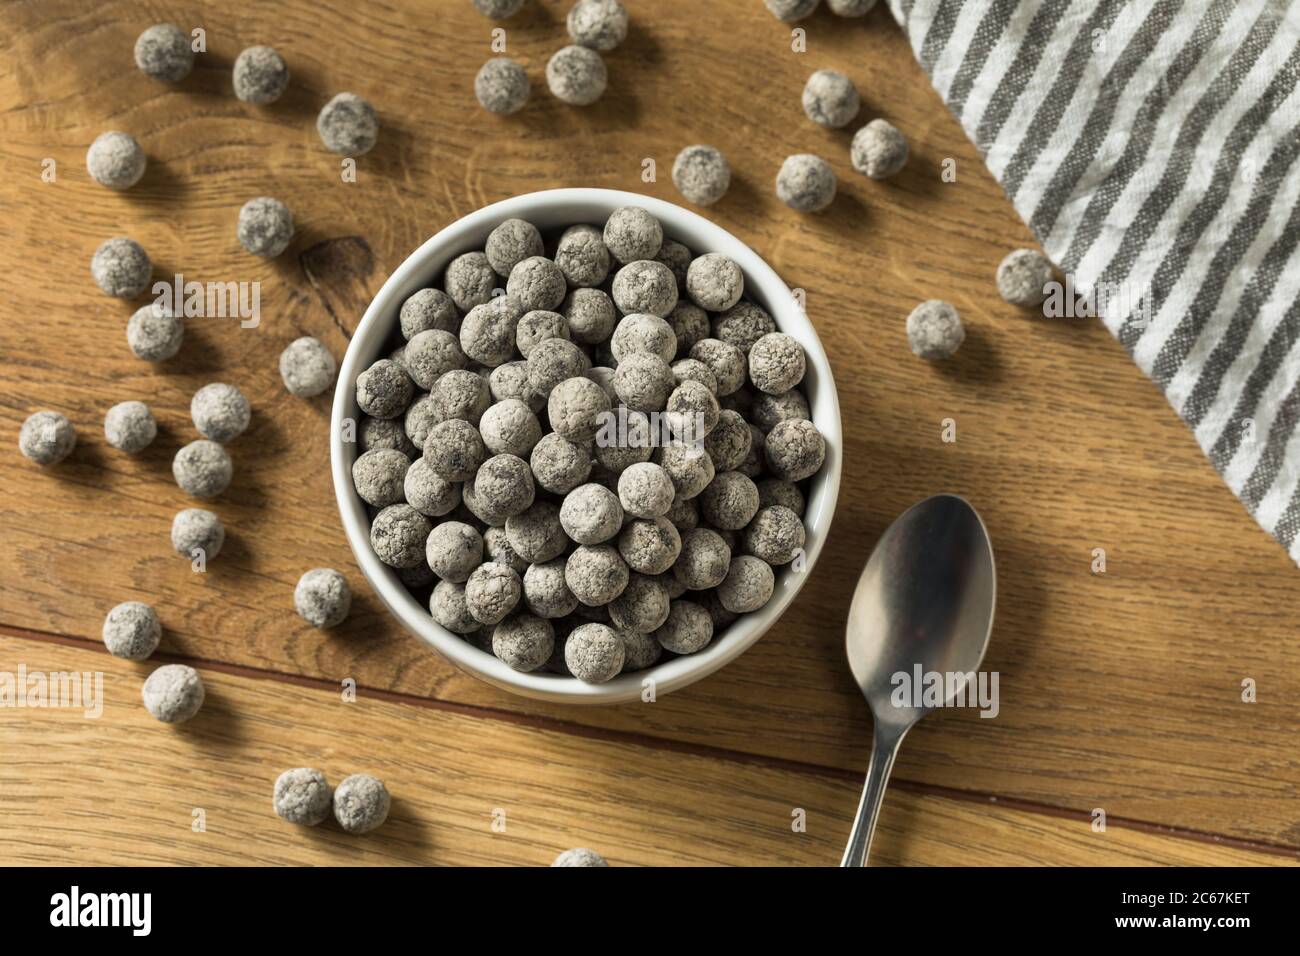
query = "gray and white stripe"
x=1155 y=144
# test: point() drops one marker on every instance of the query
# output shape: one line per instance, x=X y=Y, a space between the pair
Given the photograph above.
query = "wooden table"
x=1120 y=691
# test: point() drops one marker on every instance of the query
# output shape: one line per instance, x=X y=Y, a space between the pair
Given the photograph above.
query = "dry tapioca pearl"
x=935 y=330
x=164 y=52
x=420 y=419
x=701 y=174
x=131 y=631
x=591 y=514
x=631 y=234
x=684 y=514
x=1023 y=277
x=728 y=443
x=523 y=642
x=154 y=334
x=599 y=24
x=461 y=394
x=643 y=382
x=487 y=334
x=130 y=427
x=639 y=650
x=431 y=354
x=643 y=333
x=645 y=490
x=879 y=150
x=806 y=183
x=559 y=465
x=454 y=450
x=449 y=608
x=689 y=323
x=260 y=75
x=220 y=412
x=677 y=258
x=693 y=370
x=748 y=585
x=582 y=256
x=454 y=550
x=604 y=377
x=306 y=367
x=850 y=8
x=729 y=502
x=742 y=325
x=725 y=361
x=496 y=545
x=121 y=268
x=46 y=438
x=386 y=433
x=794 y=450
x=552 y=361
x=545 y=592
x=595 y=574
x=197 y=532
x=576 y=408
x=776 y=535
x=688 y=465
x=776 y=363
x=590 y=314
x=469 y=279
x=492 y=591
x=646 y=287
x=649 y=545
x=428 y=309
x=537 y=326
x=502 y=86
x=348 y=125
x=628 y=442
x=510 y=243
x=503 y=486
x=593 y=653
x=715 y=282
x=830 y=99
x=429 y=493
x=322 y=597
x=536 y=535
x=778 y=491
x=173 y=693
x=768 y=410
x=302 y=796
x=537 y=283
x=703 y=561
x=398 y=535
x=378 y=476
x=361 y=803
x=643 y=605
x=384 y=390
x=718 y=614
x=202 y=468
x=510 y=428
x=511 y=381
x=580 y=856
x=687 y=629
x=576 y=75
x=265 y=227
x=115 y=160
x=692 y=411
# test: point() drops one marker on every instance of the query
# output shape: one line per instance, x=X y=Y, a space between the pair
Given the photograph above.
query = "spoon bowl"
x=923 y=606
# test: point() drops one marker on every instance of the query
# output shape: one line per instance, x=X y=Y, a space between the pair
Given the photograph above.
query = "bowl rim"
x=419 y=270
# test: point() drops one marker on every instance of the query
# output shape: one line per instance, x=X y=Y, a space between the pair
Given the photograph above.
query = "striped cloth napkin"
x=1151 y=146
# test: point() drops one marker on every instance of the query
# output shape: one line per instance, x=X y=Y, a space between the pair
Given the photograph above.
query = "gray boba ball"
x=428 y=309
x=164 y=52
x=260 y=75
x=361 y=803
x=715 y=282
x=306 y=367
x=649 y=545
x=806 y=183
x=202 y=468
x=593 y=653
x=643 y=605
x=302 y=796
x=580 y=856
x=454 y=549
x=469 y=279
x=599 y=24
x=454 y=450
x=379 y=476
x=130 y=427
x=502 y=487
x=348 y=125
x=1022 y=276
x=502 y=86
x=46 y=438
x=536 y=534
x=688 y=628
x=115 y=160
x=935 y=330
x=742 y=325
x=173 y=693
x=702 y=174
x=121 y=268
x=131 y=630
x=265 y=227
x=583 y=258
x=559 y=465
x=794 y=449
x=427 y=492
x=776 y=363
x=448 y=606
x=384 y=390
x=830 y=99
x=703 y=561
x=498 y=9
x=591 y=514
x=596 y=574
x=879 y=150
x=646 y=287
x=576 y=75
x=220 y=412
x=776 y=535
x=537 y=283
x=492 y=591
x=322 y=597
x=398 y=535
x=154 y=334
x=631 y=234
x=747 y=586
x=197 y=530
x=788 y=11
x=523 y=642
x=510 y=243
x=576 y=409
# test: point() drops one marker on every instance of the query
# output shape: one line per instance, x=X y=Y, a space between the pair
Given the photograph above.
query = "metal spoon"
x=925 y=598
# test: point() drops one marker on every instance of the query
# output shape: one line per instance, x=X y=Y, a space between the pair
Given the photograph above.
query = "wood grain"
x=452 y=779
x=1119 y=691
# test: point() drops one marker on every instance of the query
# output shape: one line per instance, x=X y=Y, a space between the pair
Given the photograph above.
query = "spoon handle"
x=883 y=750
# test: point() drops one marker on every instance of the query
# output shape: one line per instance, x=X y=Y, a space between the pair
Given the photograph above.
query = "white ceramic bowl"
x=549 y=210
